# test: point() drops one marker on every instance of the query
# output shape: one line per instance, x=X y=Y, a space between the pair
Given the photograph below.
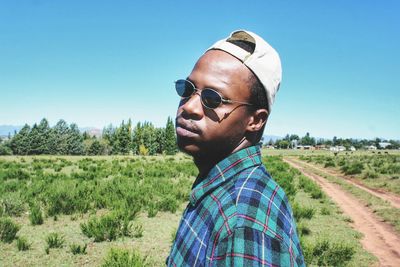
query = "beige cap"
x=264 y=62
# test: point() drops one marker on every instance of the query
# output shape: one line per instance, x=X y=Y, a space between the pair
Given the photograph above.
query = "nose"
x=192 y=106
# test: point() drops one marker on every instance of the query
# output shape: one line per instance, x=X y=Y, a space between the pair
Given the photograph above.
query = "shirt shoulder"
x=255 y=201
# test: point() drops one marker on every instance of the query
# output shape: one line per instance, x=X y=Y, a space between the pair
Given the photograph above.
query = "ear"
x=257 y=120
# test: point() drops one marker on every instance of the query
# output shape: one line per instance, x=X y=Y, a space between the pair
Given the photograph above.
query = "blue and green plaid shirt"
x=237 y=216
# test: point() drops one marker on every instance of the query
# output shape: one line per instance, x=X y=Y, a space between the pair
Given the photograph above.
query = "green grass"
x=379 y=171
x=74 y=191
x=380 y=207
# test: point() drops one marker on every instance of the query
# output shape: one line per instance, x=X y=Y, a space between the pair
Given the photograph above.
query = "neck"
x=205 y=163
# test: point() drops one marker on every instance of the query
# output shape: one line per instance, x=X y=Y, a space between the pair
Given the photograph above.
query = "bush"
x=54 y=240
x=302 y=212
x=11 y=205
x=22 y=244
x=369 y=174
x=325 y=211
x=327 y=254
x=168 y=203
x=310 y=187
x=352 y=168
x=35 y=216
x=121 y=257
x=78 y=249
x=138 y=231
x=8 y=230
x=108 y=227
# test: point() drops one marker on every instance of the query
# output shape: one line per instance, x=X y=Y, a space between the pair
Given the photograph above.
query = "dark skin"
x=210 y=135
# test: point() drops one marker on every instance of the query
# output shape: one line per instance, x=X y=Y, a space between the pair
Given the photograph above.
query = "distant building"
x=352 y=148
x=305 y=147
x=371 y=147
x=384 y=144
x=337 y=148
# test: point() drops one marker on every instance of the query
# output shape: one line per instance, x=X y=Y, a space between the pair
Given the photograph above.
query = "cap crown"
x=264 y=62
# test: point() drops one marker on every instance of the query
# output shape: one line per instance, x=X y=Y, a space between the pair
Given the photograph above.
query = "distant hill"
x=9 y=129
x=269 y=137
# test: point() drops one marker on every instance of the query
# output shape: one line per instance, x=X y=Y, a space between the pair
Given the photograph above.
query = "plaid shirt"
x=237 y=216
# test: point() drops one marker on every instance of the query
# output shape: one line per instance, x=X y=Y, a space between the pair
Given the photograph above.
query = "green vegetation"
x=121 y=257
x=376 y=170
x=64 y=139
x=35 y=215
x=134 y=204
x=325 y=237
x=380 y=207
x=77 y=249
x=8 y=230
x=55 y=240
x=23 y=244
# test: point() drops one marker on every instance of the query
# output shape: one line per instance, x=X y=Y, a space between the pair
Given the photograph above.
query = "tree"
x=283 y=144
x=124 y=138
x=74 y=141
x=170 y=139
x=307 y=140
x=95 y=148
x=20 y=142
x=59 y=138
x=39 y=138
x=5 y=149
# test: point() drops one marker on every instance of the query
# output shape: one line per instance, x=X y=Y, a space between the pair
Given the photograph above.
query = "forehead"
x=221 y=71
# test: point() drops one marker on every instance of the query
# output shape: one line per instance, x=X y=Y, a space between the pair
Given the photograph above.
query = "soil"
x=379 y=238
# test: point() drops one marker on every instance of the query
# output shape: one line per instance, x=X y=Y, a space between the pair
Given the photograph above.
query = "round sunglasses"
x=210 y=98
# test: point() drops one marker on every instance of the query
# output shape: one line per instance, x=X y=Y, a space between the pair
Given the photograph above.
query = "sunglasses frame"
x=199 y=92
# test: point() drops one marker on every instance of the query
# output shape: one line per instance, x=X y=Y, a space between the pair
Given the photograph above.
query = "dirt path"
x=379 y=238
x=393 y=199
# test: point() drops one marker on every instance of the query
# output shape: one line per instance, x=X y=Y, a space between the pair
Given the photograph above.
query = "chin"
x=188 y=147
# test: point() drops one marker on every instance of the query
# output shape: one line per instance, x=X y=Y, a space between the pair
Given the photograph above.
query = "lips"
x=186 y=128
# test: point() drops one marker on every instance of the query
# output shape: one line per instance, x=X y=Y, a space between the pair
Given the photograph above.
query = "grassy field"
x=134 y=204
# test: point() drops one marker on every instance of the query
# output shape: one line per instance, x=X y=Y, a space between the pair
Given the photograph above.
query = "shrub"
x=327 y=254
x=152 y=211
x=77 y=249
x=108 y=227
x=138 y=231
x=325 y=211
x=302 y=212
x=8 y=230
x=168 y=203
x=352 y=168
x=329 y=163
x=22 y=244
x=54 y=240
x=11 y=205
x=303 y=229
x=120 y=257
x=35 y=215
x=369 y=174
x=310 y=187
x=143 y=151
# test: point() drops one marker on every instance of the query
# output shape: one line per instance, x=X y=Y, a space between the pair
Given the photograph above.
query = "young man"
x=237 y=214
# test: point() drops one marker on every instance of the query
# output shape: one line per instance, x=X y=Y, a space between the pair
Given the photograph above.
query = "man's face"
x=214 y=133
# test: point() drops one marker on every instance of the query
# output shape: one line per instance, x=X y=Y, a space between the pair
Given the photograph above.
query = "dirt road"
x=379 y=238
x=393 y=199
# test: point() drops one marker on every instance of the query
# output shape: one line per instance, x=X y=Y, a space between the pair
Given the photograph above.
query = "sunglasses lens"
x=184 y=88
x=210 y=98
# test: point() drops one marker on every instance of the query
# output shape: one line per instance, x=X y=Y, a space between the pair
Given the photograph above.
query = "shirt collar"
x=225 y=170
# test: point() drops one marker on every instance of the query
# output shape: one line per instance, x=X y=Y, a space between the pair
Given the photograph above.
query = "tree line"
x=64 y=139
x=292 y=140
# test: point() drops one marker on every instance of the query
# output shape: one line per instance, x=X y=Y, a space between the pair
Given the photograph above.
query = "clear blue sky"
x=99 y=62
